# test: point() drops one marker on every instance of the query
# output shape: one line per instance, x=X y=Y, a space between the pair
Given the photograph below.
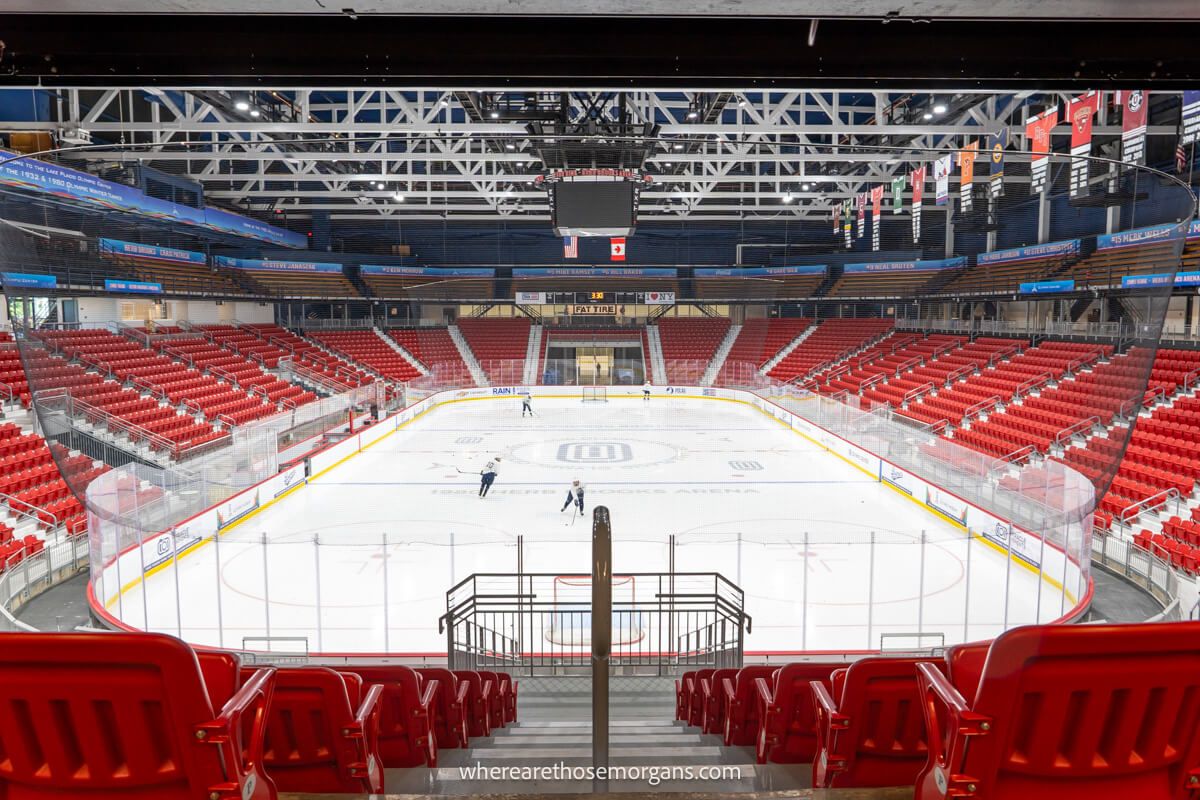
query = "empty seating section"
x=775 y=287
x=833 y=340
x=499 y=345
x=13 y=387
x=434 y=348
x=1106 y=267
x=1005 y=276
x=178 y=277
x=241 y=357
x=369 y=349
x=761 y=338
x=882 y=721
x=40 y=481
x=297 y=284
x=958 y=396
x=408 y=287
x=688 y=345
x=887 y=284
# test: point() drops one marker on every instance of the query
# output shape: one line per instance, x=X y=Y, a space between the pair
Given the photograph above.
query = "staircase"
x=468 y=357
x=407 y=356
x=554 y=728
x=533 y=354
x=656 y=355
x=788 y=348
x=718 y=359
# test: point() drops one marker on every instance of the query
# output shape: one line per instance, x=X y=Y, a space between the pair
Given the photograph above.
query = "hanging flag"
x=1037 y=135
x=862 y=214
x=1190 y=121
x=570 y=247
x=617 y=249
x=1134 y=106
x=847 y=212
x=1181 y=158
x=1079 y=113
x=966 y=165
x=941 y=179
x=898 y=194
x=876 y=202
x=997 y=143
x=837 y=219
x=918 y=194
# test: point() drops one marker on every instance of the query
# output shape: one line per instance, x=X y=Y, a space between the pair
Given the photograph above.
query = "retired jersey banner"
x=966 y=164
x=837 y=219
x=918 y=194
x=1037 y=134
x=862 y=215
x=1079 y=113
x=876 y=202
x=1190 y=122
x=898 y=194
x=847 y=210
x=1134 y=105
x=997 y=144
x=941 y=179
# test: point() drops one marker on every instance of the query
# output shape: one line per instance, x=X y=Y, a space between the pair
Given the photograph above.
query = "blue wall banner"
x=759 y=272
x=431 y=272
x=1048 y=250
x=24 y=280
x=594 y=272
x=73 y=185
x=1160 y=279
x=132 y=287
x=1154 y=233
x=150 y=252
x=906 y=266
x=1045 y=287
x=275 y=266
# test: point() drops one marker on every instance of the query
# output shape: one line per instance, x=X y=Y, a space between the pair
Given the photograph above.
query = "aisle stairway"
x=655 y=354
x=718 y=359
x=553 y=727
x=464 y=351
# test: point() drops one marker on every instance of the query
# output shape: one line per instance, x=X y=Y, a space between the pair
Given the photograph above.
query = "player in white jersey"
x=646 y=390
x=526 y=404
x=574 y=495
x=488 y=473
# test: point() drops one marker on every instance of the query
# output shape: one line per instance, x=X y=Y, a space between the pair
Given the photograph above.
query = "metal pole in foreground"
x=601 y=642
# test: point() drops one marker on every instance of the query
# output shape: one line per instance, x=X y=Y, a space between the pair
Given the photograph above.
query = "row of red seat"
x=369 y=349
x=688 y=345
x=1180 y=554
x=1041 y=713
x=498 y=344
x=198 y=724
x=760 y=339
x=832 y=339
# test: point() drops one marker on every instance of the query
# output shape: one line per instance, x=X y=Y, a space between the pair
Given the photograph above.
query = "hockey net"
x=571 y=620
x=595 y=394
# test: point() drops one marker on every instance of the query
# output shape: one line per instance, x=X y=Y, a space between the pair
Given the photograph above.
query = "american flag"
x=1181 y=159
x=570 y=247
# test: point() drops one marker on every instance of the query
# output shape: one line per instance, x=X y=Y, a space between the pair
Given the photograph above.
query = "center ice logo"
x=594 y=452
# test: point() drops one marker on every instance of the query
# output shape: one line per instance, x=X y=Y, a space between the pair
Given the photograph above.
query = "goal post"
x=571 y=619
x=595 y=394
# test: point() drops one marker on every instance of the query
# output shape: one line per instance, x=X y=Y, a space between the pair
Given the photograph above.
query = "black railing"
x=541 y=623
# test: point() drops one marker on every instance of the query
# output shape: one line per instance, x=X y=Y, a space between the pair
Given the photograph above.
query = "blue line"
x=584 y=427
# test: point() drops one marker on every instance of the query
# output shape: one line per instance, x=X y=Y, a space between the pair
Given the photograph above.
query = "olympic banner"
x=267 y=265
x=966 y=164
x=898 y=194
x=906 y=266
x=1037 y=136
x=1015 y=254
x=759 y=272
x=1080 y=112
x=918 y=194
x=428 y=272
x=837 y=219
x=862 y=214
x=1139 y=236
x=1046 y=287
x=24 y=280
x=941 y=179
x=846 y=224
x=1189 y=127
x=133 y=251
x=1160 y=279
x=876 y=202
x=997 y=144
x=594 y=272
x=132 y=287
x=1134 y=107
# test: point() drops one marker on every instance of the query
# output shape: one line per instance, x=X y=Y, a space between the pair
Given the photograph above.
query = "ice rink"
x=360 y=559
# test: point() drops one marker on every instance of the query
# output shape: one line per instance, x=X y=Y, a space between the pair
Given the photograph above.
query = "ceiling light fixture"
x=242 y=105
x=940 y=108
x=927 y=115
x=398 y=197
x=495 y=115
x=787 y=198
x=254 y=112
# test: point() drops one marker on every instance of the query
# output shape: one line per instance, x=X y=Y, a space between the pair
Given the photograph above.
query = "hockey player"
x=646 y=391
x=574 y=495
x=488 y=472
x=526 y=404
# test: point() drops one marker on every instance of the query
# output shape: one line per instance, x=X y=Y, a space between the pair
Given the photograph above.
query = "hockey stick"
x=465 y=472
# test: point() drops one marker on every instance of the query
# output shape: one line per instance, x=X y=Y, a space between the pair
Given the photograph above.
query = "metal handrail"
x=1152 y=502
x=38 y=510
x=1069 y=431
x=972 y=411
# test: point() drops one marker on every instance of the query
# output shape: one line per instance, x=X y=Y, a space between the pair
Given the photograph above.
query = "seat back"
x=305 y=747
x=106 y=716
x=714 y=705
x=474 y=707
x=741 y=717
x=683 y=698
x=884 y=742
x=1092 y=710
x=403 y=726
x=789 y=733
x=448 y=720
x=695 y=713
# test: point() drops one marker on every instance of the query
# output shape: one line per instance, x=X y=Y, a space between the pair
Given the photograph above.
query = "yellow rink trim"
x=631 y=396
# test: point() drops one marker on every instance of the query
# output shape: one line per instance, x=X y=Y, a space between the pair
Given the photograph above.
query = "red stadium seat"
x=741 y=708
x=495 y=701
x=449 y=708
x=1067 y=713
x=788 y=728
x=405 y=714
x=478 y=699
x=695 y=711
x=128 y=715
x=508 y=691
x=713 y=720
x=684 y=685
x=869 y=729
x=323 y=732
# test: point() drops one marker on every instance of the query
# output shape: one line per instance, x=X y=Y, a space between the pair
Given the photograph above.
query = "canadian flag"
x=618 y=249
